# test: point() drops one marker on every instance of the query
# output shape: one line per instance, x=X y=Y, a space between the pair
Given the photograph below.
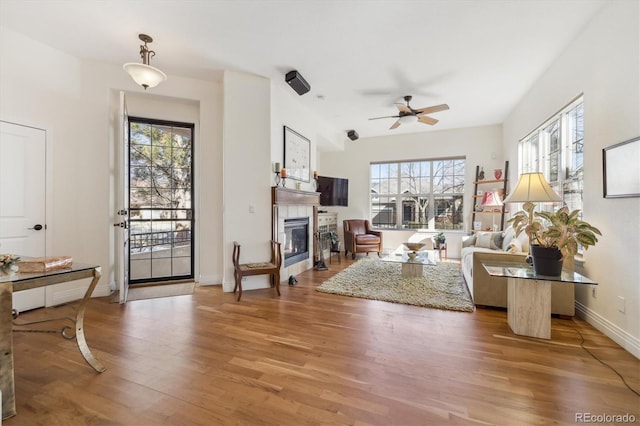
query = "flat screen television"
x=333 y=191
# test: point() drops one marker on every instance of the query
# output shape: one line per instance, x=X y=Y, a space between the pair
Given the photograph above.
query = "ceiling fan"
x=406 y=114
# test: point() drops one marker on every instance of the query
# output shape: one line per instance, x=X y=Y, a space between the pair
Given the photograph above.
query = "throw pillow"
x=468 y=241
x=507 y=237
x=490 y=240
x=523 y=239
x=514 y=247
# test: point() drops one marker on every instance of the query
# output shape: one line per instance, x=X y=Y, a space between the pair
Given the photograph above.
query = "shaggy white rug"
x=440 y=287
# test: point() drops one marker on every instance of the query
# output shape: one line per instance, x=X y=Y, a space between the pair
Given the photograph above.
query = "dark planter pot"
x=546 y=261
x=335 y=247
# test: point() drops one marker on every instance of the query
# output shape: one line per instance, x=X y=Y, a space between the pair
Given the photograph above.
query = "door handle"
x=37 y=227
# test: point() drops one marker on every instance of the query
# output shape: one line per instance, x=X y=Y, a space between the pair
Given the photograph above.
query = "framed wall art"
x=297 y=159
x=620 y=171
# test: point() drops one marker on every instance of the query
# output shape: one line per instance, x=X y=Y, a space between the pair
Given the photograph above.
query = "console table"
x=25 y=281
x=529 y=296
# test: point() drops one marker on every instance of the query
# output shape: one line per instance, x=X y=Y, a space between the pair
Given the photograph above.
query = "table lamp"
x=492 y=199
x=532 y=187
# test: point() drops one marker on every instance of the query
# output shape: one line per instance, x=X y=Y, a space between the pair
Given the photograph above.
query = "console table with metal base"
x=25 y=281
x=529 y=296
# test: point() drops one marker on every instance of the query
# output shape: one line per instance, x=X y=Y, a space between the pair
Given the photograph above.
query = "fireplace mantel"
x=285 y=196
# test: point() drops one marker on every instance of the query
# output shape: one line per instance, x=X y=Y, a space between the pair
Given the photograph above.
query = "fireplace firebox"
x=296 y=244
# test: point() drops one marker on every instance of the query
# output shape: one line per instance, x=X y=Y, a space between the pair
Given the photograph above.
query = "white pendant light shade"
x=145 y=75
x=408 y=119
x=532 y=187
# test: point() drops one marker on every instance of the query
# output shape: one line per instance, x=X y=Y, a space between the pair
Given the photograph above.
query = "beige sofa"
x=503 y=247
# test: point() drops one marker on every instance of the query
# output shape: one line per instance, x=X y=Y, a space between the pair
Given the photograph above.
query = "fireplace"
x=296 y=243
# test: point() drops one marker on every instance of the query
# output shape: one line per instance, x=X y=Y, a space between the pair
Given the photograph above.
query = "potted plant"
x=8 y=263
x=335 y=244
x=554 y=239
x=439 y=240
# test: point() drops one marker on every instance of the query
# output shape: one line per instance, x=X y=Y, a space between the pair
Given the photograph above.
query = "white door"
x=122 y=227
x=23 y=200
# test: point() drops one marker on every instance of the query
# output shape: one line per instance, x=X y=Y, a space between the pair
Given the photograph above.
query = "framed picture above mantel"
x=297 y=159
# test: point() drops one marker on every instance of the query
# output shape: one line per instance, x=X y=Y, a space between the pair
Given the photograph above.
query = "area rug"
x=440 y=287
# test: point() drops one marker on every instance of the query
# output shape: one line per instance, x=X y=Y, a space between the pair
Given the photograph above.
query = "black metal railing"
x=142 y=241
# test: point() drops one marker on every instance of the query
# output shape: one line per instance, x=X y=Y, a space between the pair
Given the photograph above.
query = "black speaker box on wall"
x=297 y=82
x=353 y=135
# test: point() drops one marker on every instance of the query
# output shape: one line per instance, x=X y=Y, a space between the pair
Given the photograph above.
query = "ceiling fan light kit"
x=407 y=115
x=144 y=74
x=297 y=82
x=408 y=119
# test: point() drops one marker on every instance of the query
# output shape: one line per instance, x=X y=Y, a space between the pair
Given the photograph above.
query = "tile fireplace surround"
x=292 y=203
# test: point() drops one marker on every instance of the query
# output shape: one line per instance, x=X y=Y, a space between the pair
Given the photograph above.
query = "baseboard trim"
x=630 y=343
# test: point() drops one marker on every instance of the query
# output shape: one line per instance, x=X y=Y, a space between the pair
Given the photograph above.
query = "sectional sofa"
x=504 y=247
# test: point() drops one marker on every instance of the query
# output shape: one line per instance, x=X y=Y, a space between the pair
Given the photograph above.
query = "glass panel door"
x=161 y=241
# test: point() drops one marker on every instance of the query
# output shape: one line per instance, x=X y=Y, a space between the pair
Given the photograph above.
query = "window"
x=556 y=149
x=425 y=194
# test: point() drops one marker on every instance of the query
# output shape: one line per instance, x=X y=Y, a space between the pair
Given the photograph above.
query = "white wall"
x=246 y=166
x=74 y=101
x=479 y=145
x=287 y=111
x=603 y=63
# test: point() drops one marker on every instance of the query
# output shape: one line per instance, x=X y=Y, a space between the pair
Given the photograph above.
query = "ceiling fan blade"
x=427 y=120
x=388 y=116
x=403 y=108
x=396 y=124
x=435 y=108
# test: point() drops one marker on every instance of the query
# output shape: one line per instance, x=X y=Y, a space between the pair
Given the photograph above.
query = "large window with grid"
x=419 y=194
x=556 y=149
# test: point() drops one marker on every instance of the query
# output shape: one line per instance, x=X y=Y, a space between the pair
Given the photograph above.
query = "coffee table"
x=412 y=268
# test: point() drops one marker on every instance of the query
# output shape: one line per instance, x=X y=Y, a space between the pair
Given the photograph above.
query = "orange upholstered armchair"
x=360 y=238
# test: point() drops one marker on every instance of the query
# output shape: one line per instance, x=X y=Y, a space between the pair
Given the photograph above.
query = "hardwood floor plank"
x=313 y=358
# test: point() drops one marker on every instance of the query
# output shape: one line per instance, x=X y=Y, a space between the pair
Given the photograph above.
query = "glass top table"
x=423 y=257
x=412 y=268
x=518 y=270
x=529 y=296
x=19 y=281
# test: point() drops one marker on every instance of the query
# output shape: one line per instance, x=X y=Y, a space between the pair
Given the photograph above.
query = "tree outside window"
x=428 y=194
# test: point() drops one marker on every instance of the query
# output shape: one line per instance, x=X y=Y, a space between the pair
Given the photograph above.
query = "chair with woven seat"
x=360 y=238
x=271 y=268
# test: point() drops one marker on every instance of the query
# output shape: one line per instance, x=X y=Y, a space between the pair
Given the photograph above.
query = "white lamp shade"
x=145 y=75
x=532 y=187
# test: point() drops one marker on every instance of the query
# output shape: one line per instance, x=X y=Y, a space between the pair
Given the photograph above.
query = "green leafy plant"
x=561 y=229
x=7 y=261
x=439 y=238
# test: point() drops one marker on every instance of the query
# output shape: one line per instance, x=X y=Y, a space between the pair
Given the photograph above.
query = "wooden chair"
x=271 y=268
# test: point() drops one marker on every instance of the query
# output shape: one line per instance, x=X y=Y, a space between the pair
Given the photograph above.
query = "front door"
x=23 y=226
x=161 y=217
x=122 y=213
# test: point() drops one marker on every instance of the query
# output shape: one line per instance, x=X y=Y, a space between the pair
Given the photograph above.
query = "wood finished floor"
x=312 y=358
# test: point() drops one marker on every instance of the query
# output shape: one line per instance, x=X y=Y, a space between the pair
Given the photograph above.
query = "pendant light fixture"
x=144 y=74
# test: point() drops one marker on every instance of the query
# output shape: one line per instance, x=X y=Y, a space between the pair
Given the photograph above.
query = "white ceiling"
x=360 y=56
